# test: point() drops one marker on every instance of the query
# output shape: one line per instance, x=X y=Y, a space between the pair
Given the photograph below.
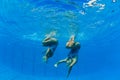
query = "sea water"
x=25 y=23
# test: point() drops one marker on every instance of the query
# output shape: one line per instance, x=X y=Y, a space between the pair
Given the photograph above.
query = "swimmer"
x=72 y=57
x=51 y=43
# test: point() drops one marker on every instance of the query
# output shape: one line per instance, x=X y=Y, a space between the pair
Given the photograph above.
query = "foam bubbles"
x=94 y=3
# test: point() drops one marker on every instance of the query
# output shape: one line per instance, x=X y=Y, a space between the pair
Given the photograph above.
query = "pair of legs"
x=70 y=63
x=48 y=54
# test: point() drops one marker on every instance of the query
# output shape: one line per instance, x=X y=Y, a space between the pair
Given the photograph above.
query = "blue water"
x=24 y=24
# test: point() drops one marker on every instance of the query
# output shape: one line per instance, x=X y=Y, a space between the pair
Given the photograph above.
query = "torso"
x=74 y=51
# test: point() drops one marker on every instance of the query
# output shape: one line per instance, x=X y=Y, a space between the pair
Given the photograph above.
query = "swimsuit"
x=73 y=53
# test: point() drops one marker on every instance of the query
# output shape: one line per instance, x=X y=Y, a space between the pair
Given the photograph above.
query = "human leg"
x=70 y=65
x=48 y=54
x=74 y=61
x=61 y=61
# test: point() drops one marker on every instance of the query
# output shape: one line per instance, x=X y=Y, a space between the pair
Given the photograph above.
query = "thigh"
x=49 y=53
x=74 y=61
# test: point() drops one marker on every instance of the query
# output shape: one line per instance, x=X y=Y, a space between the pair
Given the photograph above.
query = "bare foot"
x=44 y=58
x=56 y=65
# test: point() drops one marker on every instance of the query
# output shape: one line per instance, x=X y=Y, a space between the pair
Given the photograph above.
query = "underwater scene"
x=59 y=39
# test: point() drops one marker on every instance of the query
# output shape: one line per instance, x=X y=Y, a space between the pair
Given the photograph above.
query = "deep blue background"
x=24 y=23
